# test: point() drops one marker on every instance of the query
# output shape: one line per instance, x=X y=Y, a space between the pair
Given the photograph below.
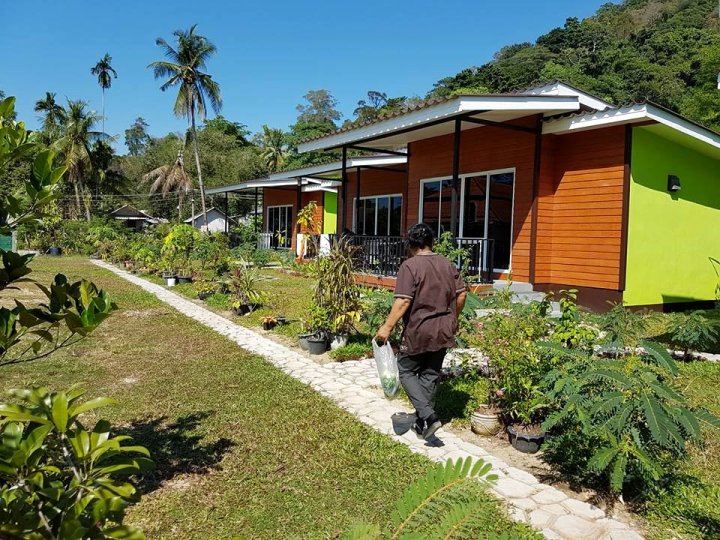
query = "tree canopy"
x=667 y=51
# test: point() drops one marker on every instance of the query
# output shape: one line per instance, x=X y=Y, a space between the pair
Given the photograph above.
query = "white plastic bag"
x=387 y=368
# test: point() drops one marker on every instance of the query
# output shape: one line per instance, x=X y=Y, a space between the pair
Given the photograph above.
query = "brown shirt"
x=433 y=284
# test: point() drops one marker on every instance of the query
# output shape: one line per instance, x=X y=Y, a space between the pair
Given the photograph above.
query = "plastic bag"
x=387 y=368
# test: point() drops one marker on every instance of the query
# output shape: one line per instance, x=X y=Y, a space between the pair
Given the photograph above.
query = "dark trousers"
x=418 y=375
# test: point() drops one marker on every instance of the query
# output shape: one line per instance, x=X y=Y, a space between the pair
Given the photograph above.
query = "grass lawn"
x=241 y=448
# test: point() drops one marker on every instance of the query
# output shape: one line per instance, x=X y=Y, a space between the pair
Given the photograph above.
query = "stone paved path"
x=352 y=386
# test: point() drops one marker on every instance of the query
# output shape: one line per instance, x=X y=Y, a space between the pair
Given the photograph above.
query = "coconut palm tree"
x=274 y=150
x=103 y=70
x=74 y=147
x=185 y=68
x=53 y=115
x=167 y=178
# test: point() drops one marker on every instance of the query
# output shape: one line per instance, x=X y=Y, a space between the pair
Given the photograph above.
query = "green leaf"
x=90 y=405
x=60 y=411
x=658 y=353
x=653 y=416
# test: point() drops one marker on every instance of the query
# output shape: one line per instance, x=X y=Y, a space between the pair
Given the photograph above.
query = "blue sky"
x=269 y=53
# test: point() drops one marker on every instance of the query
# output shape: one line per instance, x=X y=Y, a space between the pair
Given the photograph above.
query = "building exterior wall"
x=372 y=183
x=580 y=210
x=288 y=196
x=481 y=149
x=330 y=201
x=671 y=237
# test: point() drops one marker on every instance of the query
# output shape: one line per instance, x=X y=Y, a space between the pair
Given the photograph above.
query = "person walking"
x=429 y=297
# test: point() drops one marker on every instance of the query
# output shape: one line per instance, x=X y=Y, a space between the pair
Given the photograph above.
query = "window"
x=436 y=205
x=279 y=224
x=378 y=216
x=486 y=209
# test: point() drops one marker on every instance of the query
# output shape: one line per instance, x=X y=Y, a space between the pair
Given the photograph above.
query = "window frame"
x=389 y=197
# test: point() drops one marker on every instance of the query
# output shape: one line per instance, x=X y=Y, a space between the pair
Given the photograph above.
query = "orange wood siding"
x=580 y=209
x=372 y=183
x=482 y=149
x=282 y=197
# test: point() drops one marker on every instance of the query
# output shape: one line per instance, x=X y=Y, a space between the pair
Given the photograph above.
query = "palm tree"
x=185 y=68
x=53 y=115
x=274 y=150
x=74 y=147
x=167 y=178
x=103 y=69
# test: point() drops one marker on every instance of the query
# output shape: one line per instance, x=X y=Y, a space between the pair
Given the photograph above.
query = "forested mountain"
x=666 y=51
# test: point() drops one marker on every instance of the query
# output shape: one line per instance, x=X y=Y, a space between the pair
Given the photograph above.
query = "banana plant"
x=59 y=479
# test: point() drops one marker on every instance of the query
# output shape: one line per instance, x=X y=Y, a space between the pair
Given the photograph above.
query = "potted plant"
x=485 y=420
x=170 y=277
x=204 y=288
x=341 y=327
x=317 y=341
x=245 y=286
x=269 y=322
x=184 y=276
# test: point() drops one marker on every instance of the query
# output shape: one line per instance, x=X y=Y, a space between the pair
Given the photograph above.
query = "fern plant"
x=622 y=327
x=631 y=411
x=449 y=502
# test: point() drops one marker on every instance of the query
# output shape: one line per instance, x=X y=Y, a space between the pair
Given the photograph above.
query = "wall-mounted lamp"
x=673 y=183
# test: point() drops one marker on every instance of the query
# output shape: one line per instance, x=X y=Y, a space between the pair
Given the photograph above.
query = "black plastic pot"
x=204 y=295
x=317 y=345
x=303 y=341
x=244 y=309
x=55 y=251
x=525 y=443
x=268 y=325
x=281 y=320
x=184 y=279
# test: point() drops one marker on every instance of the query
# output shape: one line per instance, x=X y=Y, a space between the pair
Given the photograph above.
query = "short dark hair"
x=420 y=236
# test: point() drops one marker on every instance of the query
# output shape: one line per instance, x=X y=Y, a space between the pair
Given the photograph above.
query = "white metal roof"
x=290 y=178
x=630 y=114
x=429 y=121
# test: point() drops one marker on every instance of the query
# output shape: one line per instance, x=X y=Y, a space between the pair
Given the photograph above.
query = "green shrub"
x=219 y=301
x=517 y=366
x=623 y=327
x=261 y=257
x=693 y=332
x=459 y=397
x=570 y=331
x=351 y=351
x=623 y=420
x=57 y=478
x=376 y=306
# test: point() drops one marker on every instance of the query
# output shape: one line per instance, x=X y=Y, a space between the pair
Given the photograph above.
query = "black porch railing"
x=383 y=255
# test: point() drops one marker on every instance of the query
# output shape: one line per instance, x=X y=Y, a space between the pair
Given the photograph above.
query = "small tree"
x=72 y=310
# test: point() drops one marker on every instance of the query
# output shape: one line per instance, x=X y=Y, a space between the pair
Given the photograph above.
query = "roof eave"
x=447 y=110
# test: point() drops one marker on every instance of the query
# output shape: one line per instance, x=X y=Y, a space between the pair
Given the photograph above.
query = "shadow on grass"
x=175 y=448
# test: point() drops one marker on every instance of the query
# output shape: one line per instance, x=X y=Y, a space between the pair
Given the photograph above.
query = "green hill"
x=666 y=51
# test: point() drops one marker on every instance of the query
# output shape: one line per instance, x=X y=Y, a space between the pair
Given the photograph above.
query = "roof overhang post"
x=254 y=217
x=454 y=200
x=357 y=199
x=298 y=202
x=537 y=162
x=227 y=217
x=343 y=190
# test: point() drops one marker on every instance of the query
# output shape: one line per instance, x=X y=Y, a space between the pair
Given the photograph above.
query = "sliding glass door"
x=486 y=209
x=279 y=224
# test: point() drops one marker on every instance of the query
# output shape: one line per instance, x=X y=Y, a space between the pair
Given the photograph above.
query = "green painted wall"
x=671 y=236
x=330 y=213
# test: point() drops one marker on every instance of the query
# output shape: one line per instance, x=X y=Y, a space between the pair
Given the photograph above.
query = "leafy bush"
x=351 y=351
x=336 y=290
x=178 y=247
x=623 y=327
x=459 y=397
x=693 y=332
x=624 y=419
x=244 y=285
x=59 y=479
x=459 y=256
x=517 y=366
x=570 y=331
x=212 y=252
x=376 y=306
x=219 y=301
x=261 y=257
